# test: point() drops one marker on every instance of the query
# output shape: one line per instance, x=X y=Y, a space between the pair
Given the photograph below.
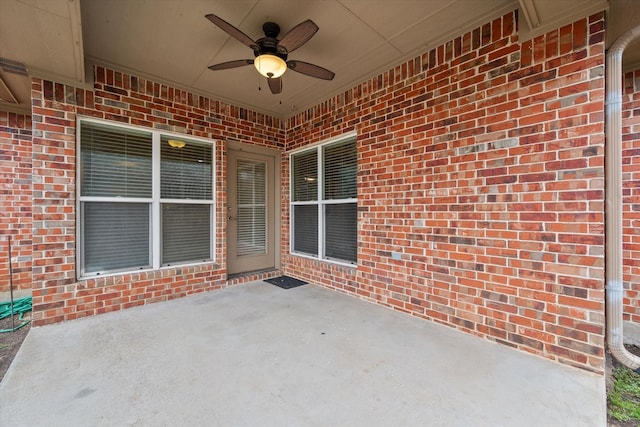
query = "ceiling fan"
x=271 y=53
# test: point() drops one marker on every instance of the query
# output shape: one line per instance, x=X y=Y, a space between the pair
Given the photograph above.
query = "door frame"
x=276 y=211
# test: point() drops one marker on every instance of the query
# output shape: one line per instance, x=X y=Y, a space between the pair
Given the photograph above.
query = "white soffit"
x=623 y=16
x=45 y=35
x=537 y=17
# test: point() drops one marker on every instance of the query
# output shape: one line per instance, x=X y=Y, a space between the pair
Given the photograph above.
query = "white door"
x=251 y=211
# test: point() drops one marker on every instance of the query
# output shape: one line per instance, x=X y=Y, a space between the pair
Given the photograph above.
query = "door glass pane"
x=186 y=233
x=116 y=236
x=252 y=210
x=305 y=229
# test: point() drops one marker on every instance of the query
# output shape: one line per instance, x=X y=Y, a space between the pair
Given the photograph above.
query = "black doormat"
x=285 y=282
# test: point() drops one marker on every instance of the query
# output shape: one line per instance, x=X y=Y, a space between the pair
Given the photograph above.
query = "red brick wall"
x=15 y=203
x=57 y=294
x=631 y=194
x=480 y=188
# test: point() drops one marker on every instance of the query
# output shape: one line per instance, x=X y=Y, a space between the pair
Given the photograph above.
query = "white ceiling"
x=171 y=41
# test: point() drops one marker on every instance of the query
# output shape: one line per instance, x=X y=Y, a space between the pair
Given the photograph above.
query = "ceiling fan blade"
x=275 y=84
x=232 y=31
x=297 y=36
x=231 y=64
x=311 y=70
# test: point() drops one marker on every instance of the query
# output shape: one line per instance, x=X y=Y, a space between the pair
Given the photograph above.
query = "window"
x=186 y=197
x=324 y=202
x=145 y=199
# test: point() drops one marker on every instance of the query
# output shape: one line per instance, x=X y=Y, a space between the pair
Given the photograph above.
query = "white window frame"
x=321 y=203
x=155 y=232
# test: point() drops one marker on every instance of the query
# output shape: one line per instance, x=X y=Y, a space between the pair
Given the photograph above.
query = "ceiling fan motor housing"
x=269 y=43
x=271 y=29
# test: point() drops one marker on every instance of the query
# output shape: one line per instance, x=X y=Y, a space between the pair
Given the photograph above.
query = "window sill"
x=324 y=260
x=147 y=271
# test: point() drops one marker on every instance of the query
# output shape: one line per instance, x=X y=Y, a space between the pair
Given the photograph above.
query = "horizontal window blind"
x=252 y=208
x=185 y=172
x=340 y=170
x=305 y=226
x=252 y=177
x=115 y=162
x=252 y=230
x=116 y=236
x=305 y=176
x=340 y=231
x=186 y=233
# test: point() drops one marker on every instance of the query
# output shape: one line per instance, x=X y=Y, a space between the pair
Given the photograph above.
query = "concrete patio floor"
x=258 y=355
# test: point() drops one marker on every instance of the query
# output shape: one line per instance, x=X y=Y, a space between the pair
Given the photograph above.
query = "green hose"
x=20 y=306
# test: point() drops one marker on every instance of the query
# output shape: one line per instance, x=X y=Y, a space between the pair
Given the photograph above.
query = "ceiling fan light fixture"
x=175 y=143
x=270 y=66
